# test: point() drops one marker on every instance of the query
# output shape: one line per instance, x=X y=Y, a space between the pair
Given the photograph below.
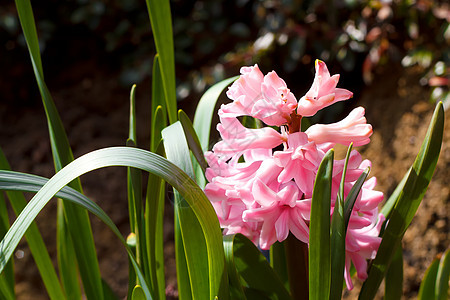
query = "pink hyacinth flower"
x=300 y=162
x=244 y=92
x=353 y=129
x=279 y=213
x=323 y=92
x=277 y=102
x=263 y=97
x=361 y=244
x=237 y=138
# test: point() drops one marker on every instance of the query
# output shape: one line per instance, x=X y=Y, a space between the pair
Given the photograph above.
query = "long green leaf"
x=134 y=187
x=154 y=212
x=192 y=139
x=390 y=203
x=319 y=231
x=144 y=160
x=203 y=118
x=428 y=285
x=159 y=119
x=199 y=160
x=236 y=288
x=161 y=21
x=353 y=195
x=7 y=277
x=36 y=243
x=338 y=232
x=393 y=288
x=278 y=262
x=46 y=189
x=443 y=276
x=247 y=260
x=407 y=203
x=66 y=255
x=194 y=245
x=297 y=260
x=205 y=109
x=77 y=219
x=337 y=249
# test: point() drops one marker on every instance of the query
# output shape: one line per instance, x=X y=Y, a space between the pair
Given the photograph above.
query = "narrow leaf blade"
x=407 y=203
x=193 y=241
x=394 y=277
x=254 y=268
x=319 y=236
x=161 y=21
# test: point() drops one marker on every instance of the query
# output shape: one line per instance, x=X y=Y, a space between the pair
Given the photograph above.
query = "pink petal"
x=351 y=129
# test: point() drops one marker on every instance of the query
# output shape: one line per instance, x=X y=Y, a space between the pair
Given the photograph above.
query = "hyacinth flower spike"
x=322 y=93
x=261 y=180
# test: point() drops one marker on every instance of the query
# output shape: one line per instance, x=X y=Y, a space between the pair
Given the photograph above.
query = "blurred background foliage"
x=214 y=38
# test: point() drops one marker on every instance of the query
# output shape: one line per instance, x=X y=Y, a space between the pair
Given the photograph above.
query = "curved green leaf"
x=278 y=262
x=338 y=232
x=205 y=109
x=154 y=212
x=247 y=261
x=193 y=250
x=428 y=285
x=36 y=243
x=407 y=203
x=319 y=231
x=393 y=283
x=14 y=181
x=138 y=293
x=200 y=163
x=443 y=276
x=144 y=160
x=7 y=277
x=353 y=195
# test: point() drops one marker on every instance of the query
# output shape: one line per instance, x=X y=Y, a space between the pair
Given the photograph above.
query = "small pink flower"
x=323 y=92
x=279 y=212
x=361 y=244
x=245 y=91
x=237 y=138
x=277 y=102
x=263 y=97
x=352 y=129
x=300 y=162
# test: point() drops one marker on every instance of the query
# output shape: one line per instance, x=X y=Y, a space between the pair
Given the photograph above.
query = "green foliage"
x=407 y=202
x=36 y=243
x=319 y=231
x=246 y=264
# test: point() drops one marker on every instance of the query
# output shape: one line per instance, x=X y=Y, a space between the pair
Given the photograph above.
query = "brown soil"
x=94 y=111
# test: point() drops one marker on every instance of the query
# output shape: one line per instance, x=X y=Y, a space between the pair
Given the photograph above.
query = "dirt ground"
x=95 y=111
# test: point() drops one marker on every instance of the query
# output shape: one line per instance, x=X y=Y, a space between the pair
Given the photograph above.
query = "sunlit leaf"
x=193 y=242
x=319 y=231
x=77 y=219
x=161 y=21
x=443 y=276
x=407 y=203
x=248 y=262
x=36 y=243
x=393 y=288
x=428 y=284
x=144 y=160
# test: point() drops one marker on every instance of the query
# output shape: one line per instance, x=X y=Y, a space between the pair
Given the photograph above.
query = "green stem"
x=297 y=263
